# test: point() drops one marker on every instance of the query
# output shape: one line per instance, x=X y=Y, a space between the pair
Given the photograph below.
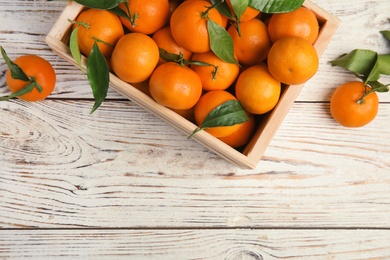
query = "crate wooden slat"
x=250 y=156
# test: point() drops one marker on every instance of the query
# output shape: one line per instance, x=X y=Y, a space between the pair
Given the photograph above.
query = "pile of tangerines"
x=270 y=51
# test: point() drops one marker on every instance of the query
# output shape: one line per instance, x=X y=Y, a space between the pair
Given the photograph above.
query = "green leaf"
x=227 y=114
x=374 y=72
x=106 y=4
x=223 y=8
x=275 y=6
x=15 y=70
x=221 y=42
x=120 y=12
x=386 y=34
x=168 y=56
x=361 y=62
x=98 y=75
x=74 y=46
x=26 y=89
x=239 y=7
x=384 y=64
x=378 y=87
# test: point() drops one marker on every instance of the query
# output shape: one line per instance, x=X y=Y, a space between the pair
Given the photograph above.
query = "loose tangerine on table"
x=350 y=107
x=37 y=68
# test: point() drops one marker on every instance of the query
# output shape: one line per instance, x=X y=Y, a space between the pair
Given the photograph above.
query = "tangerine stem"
x=83 y=23
x=132 y=18
x=366 y=93
x=99 y=40
x=205 y=13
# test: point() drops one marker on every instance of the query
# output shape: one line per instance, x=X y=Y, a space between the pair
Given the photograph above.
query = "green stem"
x=99 y=40
x=366 y=93
x=205 y=13
x=132 y=18
x=83 y=23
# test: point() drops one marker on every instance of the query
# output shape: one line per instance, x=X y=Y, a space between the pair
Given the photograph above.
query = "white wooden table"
x=121 y=183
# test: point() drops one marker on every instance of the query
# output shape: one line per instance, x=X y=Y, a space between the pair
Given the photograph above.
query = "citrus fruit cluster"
x=166 y=45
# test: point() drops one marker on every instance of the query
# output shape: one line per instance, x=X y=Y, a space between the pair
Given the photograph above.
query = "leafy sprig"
x=368 y=66
x=98 y=72
x=18 y=73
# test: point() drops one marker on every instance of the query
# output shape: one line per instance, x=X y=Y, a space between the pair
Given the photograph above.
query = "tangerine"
x=38 y=69
x=256 y=89
x=217 y=77
x=165 y=41
x=206 y=104
x=253 y=44
x=175 y=86
x=145 y=16
x=99 y=26
x=301 y=22
x=242 y=135
x=189 y=24
x=292 y=60
x=348 y=106
x=134 y=58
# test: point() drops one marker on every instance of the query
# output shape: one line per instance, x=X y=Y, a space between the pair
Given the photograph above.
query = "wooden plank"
x=227 y=244
x=123 y=167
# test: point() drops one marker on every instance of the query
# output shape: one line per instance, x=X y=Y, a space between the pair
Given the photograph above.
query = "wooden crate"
x=249 y=156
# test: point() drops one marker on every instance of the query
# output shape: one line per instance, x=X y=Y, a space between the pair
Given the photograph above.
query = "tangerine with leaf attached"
x=189 y=24
x=353 y=104
x=165 y=41
x=252 y=44
x=219 y=75
x=145 y=16
x=209 y=101
x=99 y=26
x=37 y=69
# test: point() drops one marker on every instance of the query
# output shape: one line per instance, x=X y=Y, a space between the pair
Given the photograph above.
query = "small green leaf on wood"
x=98 y=75
x=221 y=42
x=15 y=70
x=359 y=61
x=227 y=114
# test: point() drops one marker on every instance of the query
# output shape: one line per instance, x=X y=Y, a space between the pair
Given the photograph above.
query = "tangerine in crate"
x=246 y=145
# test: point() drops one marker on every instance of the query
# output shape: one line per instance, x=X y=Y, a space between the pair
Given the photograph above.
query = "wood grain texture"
x=123 y=167
x=232 y=244
x=142 y=189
